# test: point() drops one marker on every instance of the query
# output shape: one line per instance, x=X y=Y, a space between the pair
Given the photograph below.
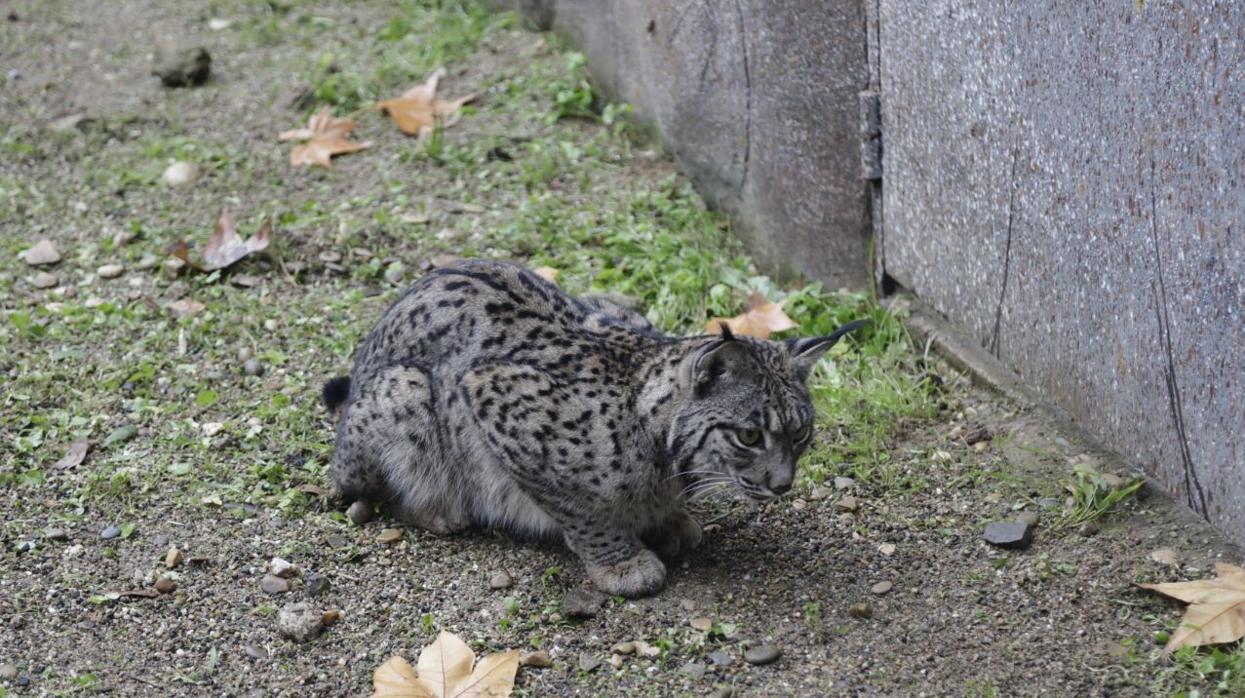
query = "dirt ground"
x=197 y=448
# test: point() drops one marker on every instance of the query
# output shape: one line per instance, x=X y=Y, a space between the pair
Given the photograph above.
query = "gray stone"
x=252 y=367
x=720 y=658
x=300 y=622
x=844 y=483
x=272 y=584
x=500 y=580
x=315 y=584
x=44 y=279
x=255 y=651
x=762 y=654
x=582 y=602
x=57 y=534
x=41 y=254
x=8 y=672
x=360 y=512
x=110 y=532
x=1009 y=534
x=1028 y=518
x=185 y=67
x=695 y=670
x=588 y=662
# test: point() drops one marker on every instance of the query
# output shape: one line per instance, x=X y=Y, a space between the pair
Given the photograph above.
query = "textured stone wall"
x=1066 y=181
x=755 y=100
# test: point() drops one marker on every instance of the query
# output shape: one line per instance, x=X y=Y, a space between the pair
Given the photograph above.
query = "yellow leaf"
x=325 y=136
x=1216 y=612
x=396 y=679
x=760 y=319
x=418 y=110
x=445 y=672
x=547 y=273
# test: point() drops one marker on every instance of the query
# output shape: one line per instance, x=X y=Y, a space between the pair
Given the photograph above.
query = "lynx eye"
x=749 y=436
x=803 y=434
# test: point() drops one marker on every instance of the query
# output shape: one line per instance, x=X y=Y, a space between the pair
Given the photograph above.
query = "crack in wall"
x=743 y=43
x=1175 y=404
x=993 y=345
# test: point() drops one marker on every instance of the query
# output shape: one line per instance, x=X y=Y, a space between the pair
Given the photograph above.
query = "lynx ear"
x=806 y=351
x=716 y=360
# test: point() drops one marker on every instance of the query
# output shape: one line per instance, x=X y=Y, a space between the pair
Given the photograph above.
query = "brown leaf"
x=547 y=273
x=225 y=247
x=1165 y=556
x=759 y=319
x=314 y=490
x=445 y=672
x=418 y=110
x=74 y=455
x=1216 y=613
x=324 y=137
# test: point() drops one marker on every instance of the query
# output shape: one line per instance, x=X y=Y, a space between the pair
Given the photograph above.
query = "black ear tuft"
x=335 y=392
x=725 y=331
x=806 y=351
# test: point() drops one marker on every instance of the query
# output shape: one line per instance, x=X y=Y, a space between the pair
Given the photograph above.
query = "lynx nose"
x=779 y=484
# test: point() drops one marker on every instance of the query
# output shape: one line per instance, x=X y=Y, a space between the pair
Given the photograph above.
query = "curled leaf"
x=324 y=137
x=418 y=110
x=445 y=671
x=1216 y=612
x=225 y=247
x=760 y=319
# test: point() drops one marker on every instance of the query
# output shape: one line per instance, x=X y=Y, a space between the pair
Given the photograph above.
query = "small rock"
x=799 y=505
x=180 y=174
x=881 y=587
x=185 y=68
x=148 y=261
x=819 y=492
x=1048 y=503
x=165 y=585
x=360 y=512
x=644 y=649
x=723 y=691
x=283 y=568
x=844 y=483
x=300 y=622
x=330 y=617
x=217 y=24
x=616 y=661
x=1163 y=556
x=8 y=672
x=1088 y=529
x=623 y=648
x=555 y=617
x=160 y=540
x=976 y=435
x=394 y=273
x=721 y=658
x=500 y=580
x=861 y=609
x=330 y=256
x=244 y=280
x=316 y=584
x=110 y=532
x=539 y=659
x=389 y=536
x=252 y=367
x=588 y=662
x=846 y=504
x=44 y=279
x=887 y=548
x=272 y=584
x=255 y=651
x=186 y=307
x=173 y=558
x=56 y=534
x=582 y=602
x=693 y=669
x=211 y=429
x=687 y=605
x=701 y=624
x=1009 y=534
x=42 y=254
x=1028 y=518
x=762 y=654
x=70 y=122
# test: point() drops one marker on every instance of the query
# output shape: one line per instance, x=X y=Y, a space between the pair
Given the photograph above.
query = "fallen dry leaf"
x=186 y=307
x=1216 y=612
x=74 y=455
x=225 y=247
x=547 y=273
x=418 y=111
x=759 y=319
x=1165 y=556
x=445 y=671
x=324 y=137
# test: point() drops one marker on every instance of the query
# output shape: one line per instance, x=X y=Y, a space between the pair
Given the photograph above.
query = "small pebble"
x=1088 y=529
x=165 y=585
x=8 y=672
x=255 y=651
x=272 y=584
x=723 y=691
x=887 y=548
x=582 y=602
x=110 y=271
x=701 y=624
x=360 y=512
x=623 y=648
x=299 y=621
x=283 y=568
x=56 y=534
x=881 y=587
x=687 y=605
x=721 y=658
x=1029 y=518
x=762 y=654
x=187 y=67
x=315 y=584
x=180 y=174
x=389 y=536
x=500 y=580
x=330 y=617
x=44 y=279
x=539 y=659
x=616 y=661
x=861 y=610
x=693 y=669
x=1009 y=534
x=844 y=483
x=1048 y=503
x=846 y=504
x=252 y=367
x=148 y=261
x=644 y=649
x=43 y=253
x=819 y=492
x=110 y=532
x=173 y=558
x=588 y=662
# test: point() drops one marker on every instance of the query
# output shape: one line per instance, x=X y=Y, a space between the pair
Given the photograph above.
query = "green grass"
x=1203 y=672
x=1093 y=495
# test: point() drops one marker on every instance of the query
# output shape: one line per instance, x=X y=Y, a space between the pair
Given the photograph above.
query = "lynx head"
x=746 y=416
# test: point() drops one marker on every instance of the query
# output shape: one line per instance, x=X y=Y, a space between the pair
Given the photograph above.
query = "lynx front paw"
x=680 y=535
x=641 y=575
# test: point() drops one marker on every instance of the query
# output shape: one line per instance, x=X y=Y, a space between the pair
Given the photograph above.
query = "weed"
x=1093 y=495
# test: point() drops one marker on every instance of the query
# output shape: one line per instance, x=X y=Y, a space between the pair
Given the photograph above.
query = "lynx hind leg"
x=388 y=451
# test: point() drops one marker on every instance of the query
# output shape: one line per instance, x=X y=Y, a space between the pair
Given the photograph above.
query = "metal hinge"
x=870 y=135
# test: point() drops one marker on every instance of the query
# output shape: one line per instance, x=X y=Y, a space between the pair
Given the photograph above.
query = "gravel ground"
x=878 y=586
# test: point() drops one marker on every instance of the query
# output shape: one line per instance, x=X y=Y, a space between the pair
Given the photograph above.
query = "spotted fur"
x=488 y=397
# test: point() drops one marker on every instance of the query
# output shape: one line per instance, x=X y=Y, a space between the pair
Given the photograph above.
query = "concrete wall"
x=1063 y=180
x=754 y=99
x=1066 y=181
